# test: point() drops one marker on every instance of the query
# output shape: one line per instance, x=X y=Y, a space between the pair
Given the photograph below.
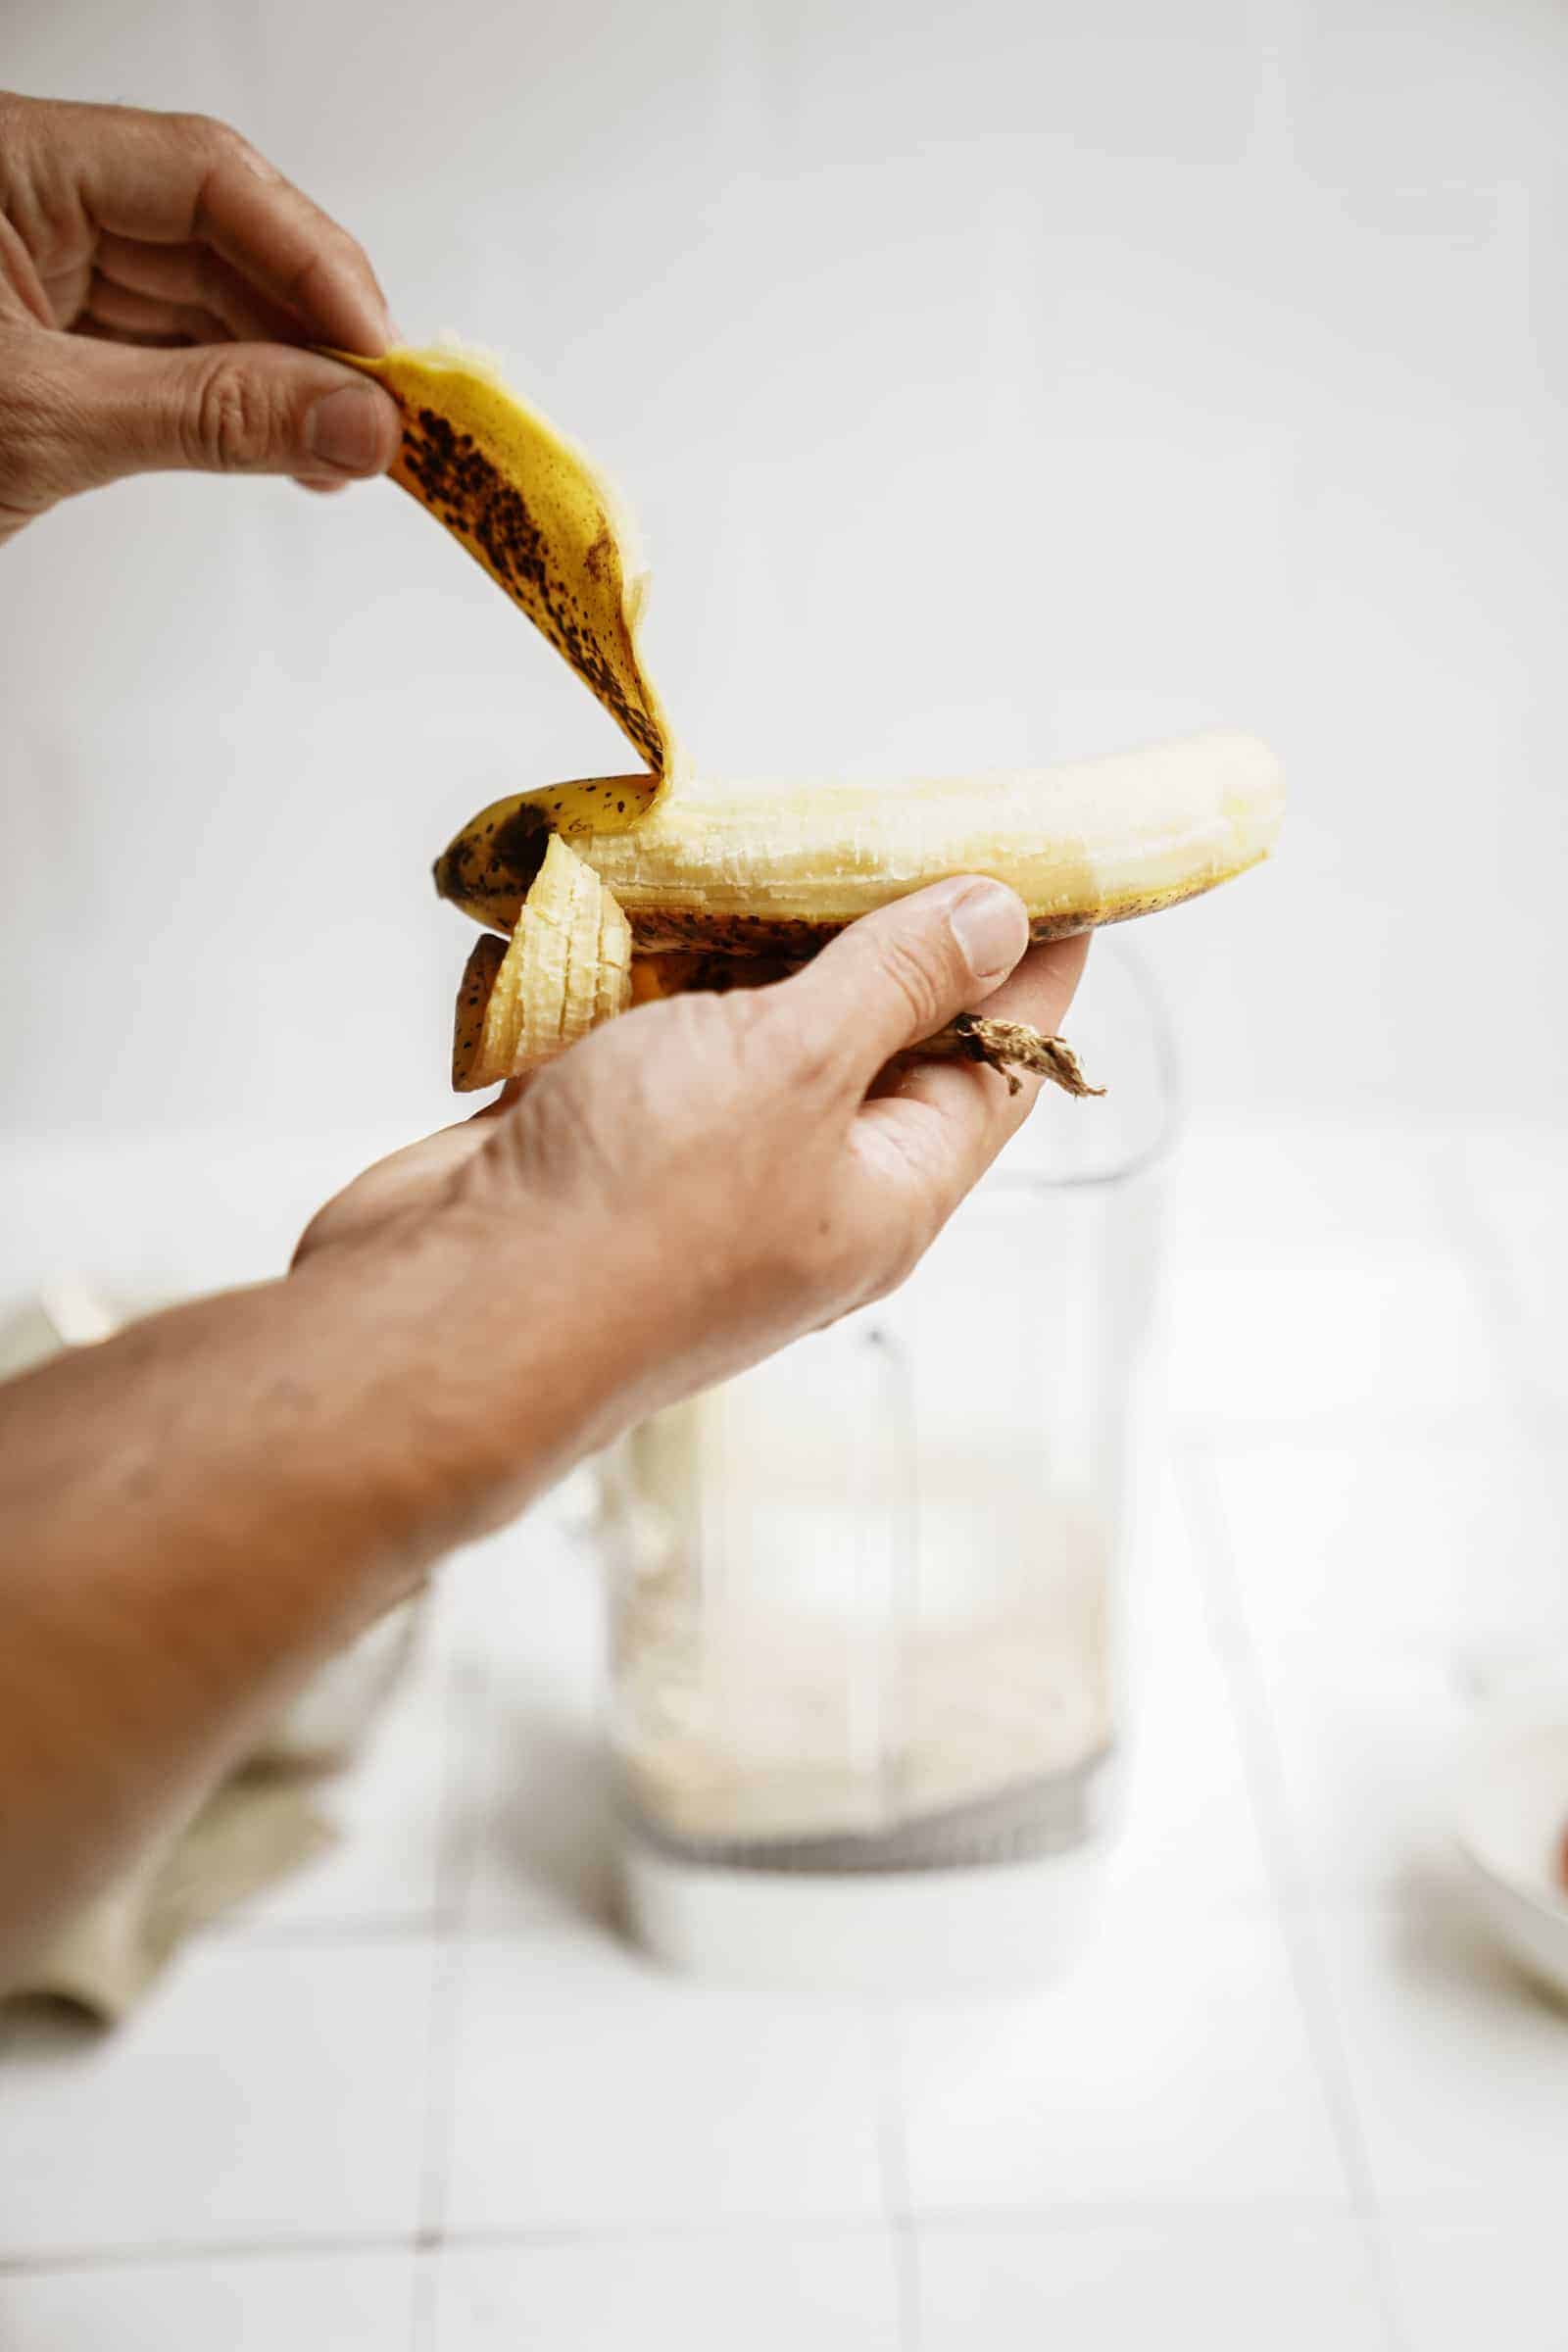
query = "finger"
x=142 y=314
x=180 y=178
x=897 y=975
x=196 y=277
x=231 y=408
x=271 y=232
x=938 y=1126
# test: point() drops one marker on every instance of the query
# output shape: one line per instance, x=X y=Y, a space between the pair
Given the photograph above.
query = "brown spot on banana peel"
x=489 y=868
x=537 y=515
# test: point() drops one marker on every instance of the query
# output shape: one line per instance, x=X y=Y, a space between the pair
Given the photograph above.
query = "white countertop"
x=421 y=2097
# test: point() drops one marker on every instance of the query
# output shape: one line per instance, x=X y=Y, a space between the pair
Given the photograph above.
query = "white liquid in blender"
x=811 y=1685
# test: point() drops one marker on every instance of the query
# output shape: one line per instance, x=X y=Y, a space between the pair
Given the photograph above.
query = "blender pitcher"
x=865 y=1600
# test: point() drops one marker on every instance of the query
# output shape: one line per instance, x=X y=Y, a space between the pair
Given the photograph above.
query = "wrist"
x=476 y=1365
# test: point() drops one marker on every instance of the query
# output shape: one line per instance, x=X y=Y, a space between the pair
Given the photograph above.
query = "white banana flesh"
x=1091 y=842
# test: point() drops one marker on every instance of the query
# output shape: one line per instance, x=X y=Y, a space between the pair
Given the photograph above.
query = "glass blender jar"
x=867 y=1700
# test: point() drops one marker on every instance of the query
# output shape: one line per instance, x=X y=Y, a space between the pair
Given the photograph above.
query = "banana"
x=762 y=869
x=602 y=879
x=536 y=512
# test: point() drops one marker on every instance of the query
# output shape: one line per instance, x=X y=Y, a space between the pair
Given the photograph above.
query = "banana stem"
x=1008 y=1047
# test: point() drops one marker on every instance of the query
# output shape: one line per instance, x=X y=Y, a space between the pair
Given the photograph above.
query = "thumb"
x=219 y=408
x=903 y=973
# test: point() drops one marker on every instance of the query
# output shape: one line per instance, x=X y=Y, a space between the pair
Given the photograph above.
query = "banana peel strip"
x=541 y=517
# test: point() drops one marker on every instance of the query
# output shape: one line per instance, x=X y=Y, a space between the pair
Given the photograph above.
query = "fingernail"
x=991 y=928
x=346 y=428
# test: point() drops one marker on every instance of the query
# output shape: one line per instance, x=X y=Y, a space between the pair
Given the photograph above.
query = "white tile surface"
x=1189 y=1834
x=593 y=2090
x=388 y=1808
x=775 y=2293
x=541 y=1820
x=351 y=2302
x=1366 y=1741
x=1102 y=2287
x=1171 y=2068
x=1458 y=2284
x=1144 y=2150
x=1298 y=1344
x=1380 y=1587
x=1517 y=1183
x=521 y=1624
x=261 y=2095
x=1458 y=2070
x=1398 y=1541
x=1293 y=1187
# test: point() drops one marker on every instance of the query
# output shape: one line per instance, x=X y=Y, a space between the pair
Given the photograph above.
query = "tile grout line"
x=1269 y=1794
x=190 y=2253
x=458 y=1851
x=1217 y=2217
x=423 y=2313
x=1381 y=2267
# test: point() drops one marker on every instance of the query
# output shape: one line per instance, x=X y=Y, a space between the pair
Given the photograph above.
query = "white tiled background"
x=995 y=383
x=423 y=2096
x=1222 y=346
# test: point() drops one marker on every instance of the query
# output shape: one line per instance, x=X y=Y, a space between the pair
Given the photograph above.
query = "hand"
x=703 y=1180
x=157 y=282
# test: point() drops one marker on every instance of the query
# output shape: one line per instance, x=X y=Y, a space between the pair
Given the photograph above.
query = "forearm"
x=197 y=1512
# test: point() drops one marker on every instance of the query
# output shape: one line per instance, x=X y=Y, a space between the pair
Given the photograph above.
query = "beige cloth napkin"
x=254 y=1830
x=261 y=1824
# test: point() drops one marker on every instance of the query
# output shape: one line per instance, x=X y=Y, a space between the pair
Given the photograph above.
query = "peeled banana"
x=744 y=869
x=701 y=877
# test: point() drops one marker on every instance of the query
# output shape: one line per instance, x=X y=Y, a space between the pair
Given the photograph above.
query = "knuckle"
x=233 y=425
x=334 y=257
x=345 y=248
x=206 y=134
